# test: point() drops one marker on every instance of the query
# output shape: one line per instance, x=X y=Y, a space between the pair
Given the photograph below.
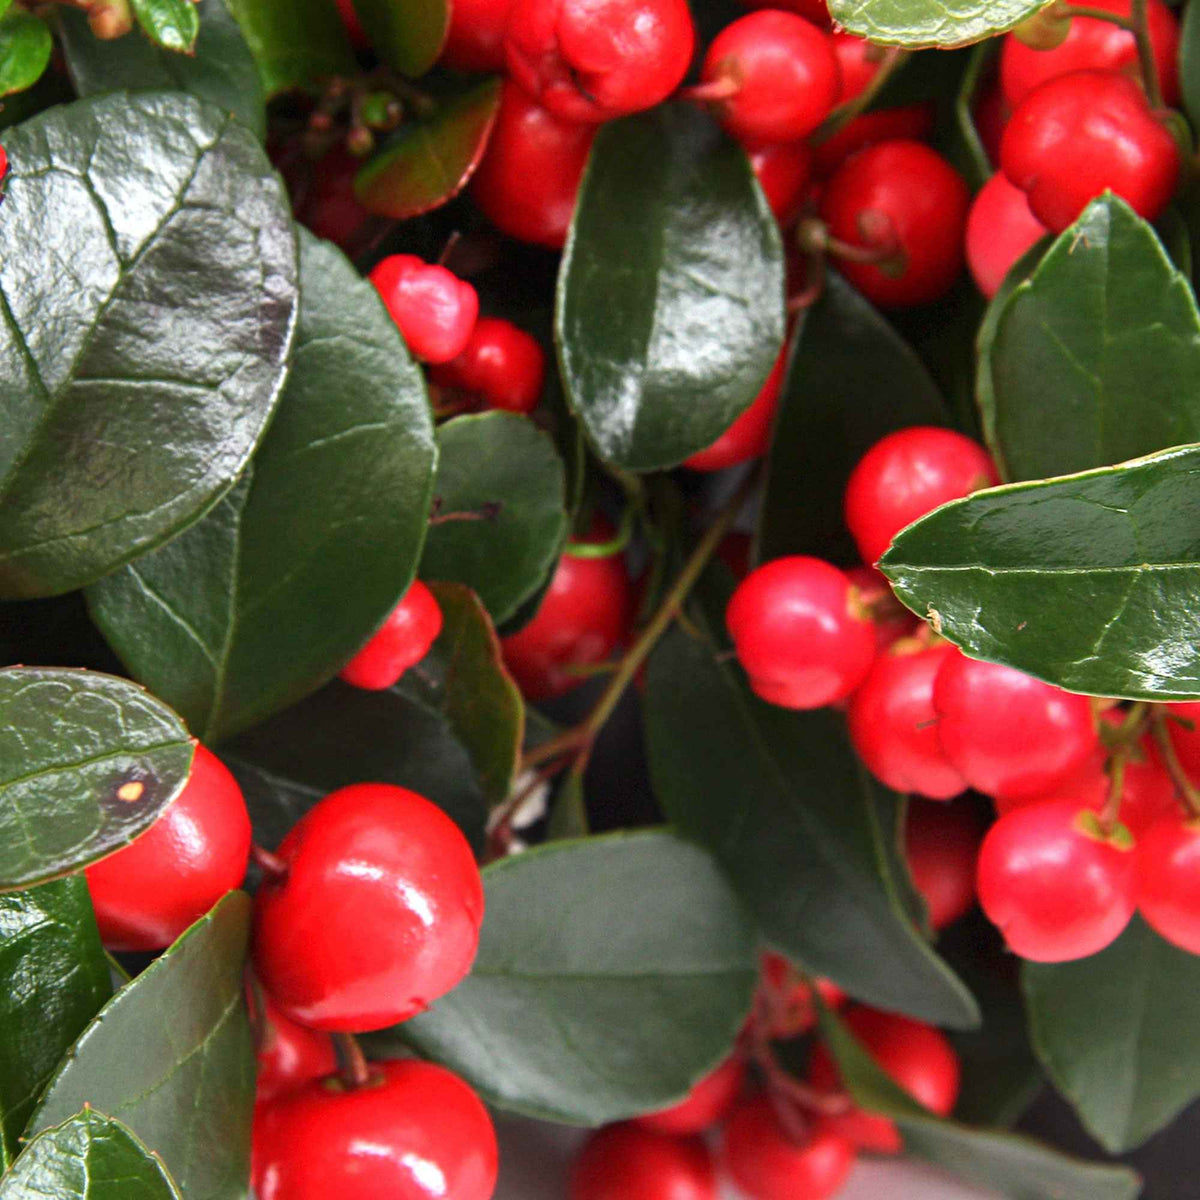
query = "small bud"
x=1046 y=29
x=381 y=111
x=360 y=141
x=110 y=19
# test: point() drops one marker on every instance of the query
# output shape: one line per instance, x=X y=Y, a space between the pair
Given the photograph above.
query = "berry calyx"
x=501 y=363
x=414 y=1132
x=377 y=916
x=146 y=894
x=799 y=632
x=435 y=310
x=629 y=1162
x=1168 y=883
x=289 y=1055
x=705 y=1105
x=941 y=846
x=400 y=642
x=1000 y=228
x=1057 y=887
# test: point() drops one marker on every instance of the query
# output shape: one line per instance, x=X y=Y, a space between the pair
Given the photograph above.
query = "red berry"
x=1185 y=738
x=378 y=915
x=1079 y=134
x=905 y=200
x=1053 y=884
x=627 y=1162
x=1009 y=734
x=1094 y=44
x=893 y=726
x=1000 y=228
x=148 y=893
x=941 y=844
x=892 y=620
x=766 y=1164
x=1168 y=889
x=783 y=170
x=907 y=474
x=858 y=63
x=816 y=11
x=592 y=60
x=475 y=41
x=706 y=1104
x=749 y=436
x=3 y=162
x=793 y=1009
x=401 y=642
x=908 y=122
x=782 y=72
x=1147 y=794
x=528 y=179
x=415 y=1132
x=914 y=1055
x=435 y=310
x=501 y=363
x=289 y=1055
x=799 y=632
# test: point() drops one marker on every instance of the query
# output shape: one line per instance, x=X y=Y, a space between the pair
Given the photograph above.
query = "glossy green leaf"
x=171 y=24
x=612 y=973
x=88 y=1157
x=344 y=735
x=25 y=45
x=851 y=380
x=1189 y=62
x=296 y=43
x=5 y=5
x=408 y=35
x=171 y=1055
x=1119 y=1034
x=783 y=803
x=135 y=385
x=1096 y=357
x=56 y=979
x=670 y=220
x=267 y=597
x=87 y=762
x=917 y=23
x=431 y=160
x=1012 y=1166
x=222 y=69
x=497 y=458
x=1088 y=581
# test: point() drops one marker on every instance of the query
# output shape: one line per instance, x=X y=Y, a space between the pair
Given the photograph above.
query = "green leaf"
x=73 y=745
x=144 y=334
x=783 y=803
x=851 y=380
x=25 y=45
x=222 y=70
x=1088 y=581
x=56 y=979
x=497 y=458
x=171 y=24
x=5 y=5
x=1096 y=357
x=612 y=973
x=1119 y=1034
x=172 y=1056
x=1189 y=62
x=344 y=735
x=1013 y=1166
x=408 y=35
x=431 y=160
x=88 y=1157
x=296 y=43
x=670 y=221
x=267 y=597
x=918 y=23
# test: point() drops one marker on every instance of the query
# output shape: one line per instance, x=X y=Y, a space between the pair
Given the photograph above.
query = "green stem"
x=1096 y=14
x=1111 y=813
x=841 y=116
x=1139 y=12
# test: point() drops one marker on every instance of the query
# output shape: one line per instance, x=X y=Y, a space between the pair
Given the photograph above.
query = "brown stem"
x=1184 y=789
x=271 y=865
x=485 y=512
x=356 y=1072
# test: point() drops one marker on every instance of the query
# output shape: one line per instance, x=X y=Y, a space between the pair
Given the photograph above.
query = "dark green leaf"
x=88 y=1157
x=408 y=35
x=296 y=43
x=268 y=596
x=850 y=381
x=1096 y=357
x=344 y=735
x=171 y=1055
x=1189 y=62
x=222 y=70
x=1119 y=1034
x=171 y=24
x=25 y=46
x=74 y=746
x=612 y=973
x=430 y=161
x=56 y=979
x=670 y=221
x=789 y=812
x=497 y=458
x=930 y=22
x=144 y=333
x=1088 y=581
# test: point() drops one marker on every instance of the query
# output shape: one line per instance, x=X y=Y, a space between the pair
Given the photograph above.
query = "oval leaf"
x=1088 y=581
x=266 y=597
x=25 y=45
x=87 y=762
x=296 y=43
x=497 y=458
x=671 y=221
x=918 y=23
x=172 y=1056
x=88 y=1157
x=612 y=973
x=171 y=24
x=137 y=382
x=408 y=35
x=1189 y=61
x=430 y=161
